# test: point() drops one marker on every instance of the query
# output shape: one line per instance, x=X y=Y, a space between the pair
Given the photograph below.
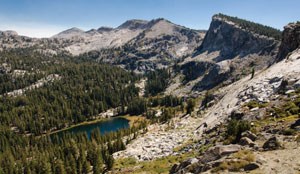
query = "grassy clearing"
x=239 y=160
x=160 y=165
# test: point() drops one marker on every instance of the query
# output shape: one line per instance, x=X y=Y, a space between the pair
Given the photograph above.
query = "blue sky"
x=44 y=18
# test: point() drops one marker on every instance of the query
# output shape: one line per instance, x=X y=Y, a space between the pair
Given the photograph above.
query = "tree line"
x=254 y=27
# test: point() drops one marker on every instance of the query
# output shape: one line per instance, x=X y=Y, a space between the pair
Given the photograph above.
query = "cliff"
x=290 y=40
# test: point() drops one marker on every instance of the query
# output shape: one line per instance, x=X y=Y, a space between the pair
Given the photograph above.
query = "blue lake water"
x=110 y=125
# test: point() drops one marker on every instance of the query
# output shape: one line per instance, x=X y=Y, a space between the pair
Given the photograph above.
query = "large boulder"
x=182 y=167
x=245 y=141
x=249 y=135
x=297 y=84
x=251 y=166
x=237 y=114
x=211 y=158
x=272 y=144
x=218 y=152
x=296 y=124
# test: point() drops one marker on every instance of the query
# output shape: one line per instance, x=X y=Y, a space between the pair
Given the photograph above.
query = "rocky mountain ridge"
x=140 y=46
x=227 y=53
x=135 y=45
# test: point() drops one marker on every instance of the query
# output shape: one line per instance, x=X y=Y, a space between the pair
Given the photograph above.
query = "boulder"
x=182 y=166
x=236 y=114
x=249 y=135
x=289 y=91
x=245 y=141
x=218 y=152
x=251 y=166
x=272 y=144
x=192 y=160
x=297 y=84
x=296 y=124
x=174 y=168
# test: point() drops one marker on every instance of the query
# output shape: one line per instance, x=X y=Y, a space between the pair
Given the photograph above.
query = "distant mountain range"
x=141 y=45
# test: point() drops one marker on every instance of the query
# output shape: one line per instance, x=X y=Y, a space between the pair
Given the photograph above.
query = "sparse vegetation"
x=255 y=104
x=160 y=165
x=254 y=27
x=191 y=103
x=208 y=97
x=243 y=157
x=235 y=128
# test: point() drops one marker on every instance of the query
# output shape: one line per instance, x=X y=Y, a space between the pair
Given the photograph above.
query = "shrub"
x=207 y=98
x=245 y=155
x=235 y=128
x=291 y=108
x=289 y=132
x=254 y=104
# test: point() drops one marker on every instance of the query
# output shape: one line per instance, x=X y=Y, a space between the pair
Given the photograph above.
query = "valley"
x=152 y=97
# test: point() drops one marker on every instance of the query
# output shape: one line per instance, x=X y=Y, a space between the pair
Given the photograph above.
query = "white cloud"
x=31 y=29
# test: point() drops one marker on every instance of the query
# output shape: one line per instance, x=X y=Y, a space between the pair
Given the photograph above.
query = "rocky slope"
x=102 y=38
x=273 y=89
x=263 y=88
x=11 y=40
x=138 y=37
x=159 y=44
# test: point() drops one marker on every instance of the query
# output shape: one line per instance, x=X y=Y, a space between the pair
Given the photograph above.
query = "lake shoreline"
x=132 y=121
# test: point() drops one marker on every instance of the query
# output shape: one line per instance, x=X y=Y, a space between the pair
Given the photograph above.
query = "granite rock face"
x=230 y=51
x=231 y=41
x=290 y=40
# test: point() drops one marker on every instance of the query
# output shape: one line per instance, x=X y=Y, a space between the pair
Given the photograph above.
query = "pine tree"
x=97 y=163
x=46 y=167
x=59 y=167
x=190 y=106
x=252 y=73
x=86 y=167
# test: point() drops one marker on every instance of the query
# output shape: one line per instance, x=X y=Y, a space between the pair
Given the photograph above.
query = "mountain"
x=158 y=45
x=70 y=33
x=231 y=39
x=229 y=51
x=8 y=33
x=124 y=45
x=133 y=24
x=102 y=38
x=11 y=40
